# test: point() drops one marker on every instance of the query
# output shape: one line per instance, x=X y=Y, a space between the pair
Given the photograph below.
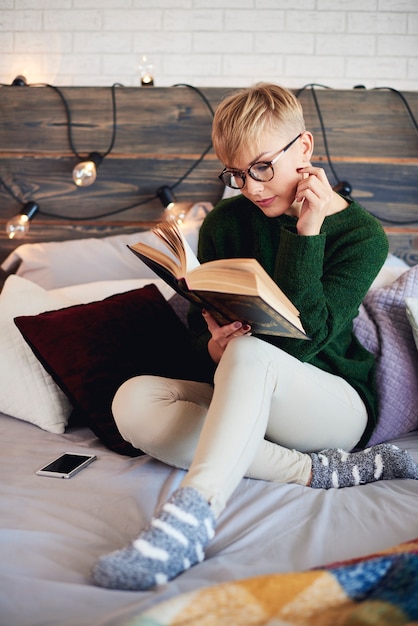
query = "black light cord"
x=414 y=122
x=405 y=101
x=200 y=93
x=70 y=140
x=73 y=218
x=69 y=119
x=321 y=122
x=72 y=146
x=70 y=122
x=318 y=110
x=155 y=196
x=312 y=87
x=206 y=150
x=192 y=167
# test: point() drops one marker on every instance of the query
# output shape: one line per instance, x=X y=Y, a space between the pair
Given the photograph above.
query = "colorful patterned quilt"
x=380 y=589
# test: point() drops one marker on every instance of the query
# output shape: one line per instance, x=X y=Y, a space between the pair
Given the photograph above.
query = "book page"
x=191 y=259
x=175 y=241
x=179 y=257
x=151 y=257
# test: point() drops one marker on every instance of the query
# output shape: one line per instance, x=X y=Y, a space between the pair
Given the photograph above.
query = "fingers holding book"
x=222 y=335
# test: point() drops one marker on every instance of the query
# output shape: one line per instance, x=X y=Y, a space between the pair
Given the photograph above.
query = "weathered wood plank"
x=363 y=123
x=389 y=191
x=120 y=183
x=366 y=123
x=155 y=121
x=404 y=243
x=161 y=133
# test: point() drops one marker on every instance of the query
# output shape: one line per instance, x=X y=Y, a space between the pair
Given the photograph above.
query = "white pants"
x=265 y=411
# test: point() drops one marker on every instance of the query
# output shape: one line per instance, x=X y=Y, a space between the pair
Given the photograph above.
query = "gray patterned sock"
x=173 y=541
x=335 y=468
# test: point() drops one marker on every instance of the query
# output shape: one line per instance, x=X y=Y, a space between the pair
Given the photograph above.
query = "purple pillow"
x=382 y=327
x=91 y=349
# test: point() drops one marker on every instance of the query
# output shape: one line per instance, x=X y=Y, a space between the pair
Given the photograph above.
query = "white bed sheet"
x=52 y=531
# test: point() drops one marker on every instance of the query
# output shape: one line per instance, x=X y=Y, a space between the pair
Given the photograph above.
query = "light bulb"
x=174 y=211
x=85 y=172
x=177 y=211
x=146 y=70
x=18 y=226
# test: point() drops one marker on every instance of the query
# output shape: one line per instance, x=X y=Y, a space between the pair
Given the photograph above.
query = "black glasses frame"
x=241 y=175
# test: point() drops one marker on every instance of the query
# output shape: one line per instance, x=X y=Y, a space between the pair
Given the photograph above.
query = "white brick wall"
x=340 y=43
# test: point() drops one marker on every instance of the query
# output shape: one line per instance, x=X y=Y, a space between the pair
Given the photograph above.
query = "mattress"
x=52 y=531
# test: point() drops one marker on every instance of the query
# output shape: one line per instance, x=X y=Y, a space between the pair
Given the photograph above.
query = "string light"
x=146 y=70
x=174 y=211
x=167 y=197
x=19 y=81
x=180 y=207
x=343 y=186
x=18 y=226
x=22 y=82
x=85 y=172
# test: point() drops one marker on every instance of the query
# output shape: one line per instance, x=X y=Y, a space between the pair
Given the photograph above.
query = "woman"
x=279 y=409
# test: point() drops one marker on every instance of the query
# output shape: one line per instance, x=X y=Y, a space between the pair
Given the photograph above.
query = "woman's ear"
x=307 y=146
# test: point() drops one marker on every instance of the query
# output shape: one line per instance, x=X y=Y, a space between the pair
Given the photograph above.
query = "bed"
x=282 y=554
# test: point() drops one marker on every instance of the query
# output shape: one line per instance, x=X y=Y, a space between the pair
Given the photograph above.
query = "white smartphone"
x=66 y=465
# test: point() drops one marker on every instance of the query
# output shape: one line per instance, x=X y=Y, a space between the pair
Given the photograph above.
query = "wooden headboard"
x=162 y=134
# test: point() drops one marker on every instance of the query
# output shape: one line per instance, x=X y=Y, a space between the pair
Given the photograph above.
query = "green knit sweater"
x=326 y=276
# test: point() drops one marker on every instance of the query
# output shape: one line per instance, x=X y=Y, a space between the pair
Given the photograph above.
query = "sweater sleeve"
x=327 y=276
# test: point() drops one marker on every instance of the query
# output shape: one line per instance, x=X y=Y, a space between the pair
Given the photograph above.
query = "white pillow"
x=27 y=391
x=392 y=269
x=59 y=264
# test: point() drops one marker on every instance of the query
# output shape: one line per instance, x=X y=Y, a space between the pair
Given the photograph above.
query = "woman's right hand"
x=222 y=335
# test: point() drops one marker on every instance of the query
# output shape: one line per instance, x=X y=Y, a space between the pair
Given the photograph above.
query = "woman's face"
x=276 y=196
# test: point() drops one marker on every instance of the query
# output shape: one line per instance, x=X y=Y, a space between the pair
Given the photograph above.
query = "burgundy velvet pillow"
x=91 y=349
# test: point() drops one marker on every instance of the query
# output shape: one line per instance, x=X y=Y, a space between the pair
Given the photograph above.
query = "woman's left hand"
x=222 y=335
x=315 y=195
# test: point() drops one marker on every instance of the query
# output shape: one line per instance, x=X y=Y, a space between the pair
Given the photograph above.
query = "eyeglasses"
x=261 y=170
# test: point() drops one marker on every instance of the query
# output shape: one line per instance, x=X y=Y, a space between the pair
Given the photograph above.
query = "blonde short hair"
x=244 y=114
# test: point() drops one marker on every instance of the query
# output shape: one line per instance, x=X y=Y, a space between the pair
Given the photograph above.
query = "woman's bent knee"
x=134 y=404
x=147 y=409
x=162 y=416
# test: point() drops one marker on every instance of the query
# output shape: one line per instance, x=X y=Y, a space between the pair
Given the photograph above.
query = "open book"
x=230 y=289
